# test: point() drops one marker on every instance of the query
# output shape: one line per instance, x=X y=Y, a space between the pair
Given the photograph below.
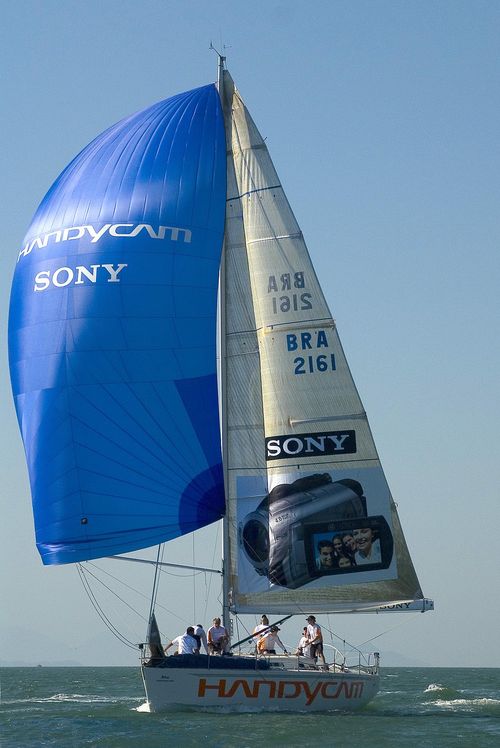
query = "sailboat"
x=174 y=363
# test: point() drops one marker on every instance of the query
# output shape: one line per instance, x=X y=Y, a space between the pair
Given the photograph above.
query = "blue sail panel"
x=112 y=335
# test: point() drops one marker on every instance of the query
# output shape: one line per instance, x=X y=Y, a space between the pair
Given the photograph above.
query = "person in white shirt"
x=218 y=638
x=201 y=637
x=268 y=640
x=303 y=649
x=185 y=643
x=315 y=639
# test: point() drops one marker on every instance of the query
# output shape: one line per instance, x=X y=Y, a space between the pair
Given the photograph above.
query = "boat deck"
x=251 y=662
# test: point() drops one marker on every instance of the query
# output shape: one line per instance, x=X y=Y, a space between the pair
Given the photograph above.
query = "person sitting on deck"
x=303 y=649
x=267 y=642
x=185 y=643
x=217 y=638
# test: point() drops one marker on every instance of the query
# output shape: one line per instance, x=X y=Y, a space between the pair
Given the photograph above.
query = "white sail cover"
x=312 y=524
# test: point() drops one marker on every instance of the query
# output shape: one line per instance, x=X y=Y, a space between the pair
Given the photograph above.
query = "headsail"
x=303 y=473
x=113 y=334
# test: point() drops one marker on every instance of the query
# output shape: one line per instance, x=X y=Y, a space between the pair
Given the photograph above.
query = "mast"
x=222 y=383
x=220 y=72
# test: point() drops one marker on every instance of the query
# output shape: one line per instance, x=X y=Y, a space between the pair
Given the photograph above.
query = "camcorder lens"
x=256 y=541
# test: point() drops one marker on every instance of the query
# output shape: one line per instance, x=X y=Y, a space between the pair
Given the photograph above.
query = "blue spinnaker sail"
x=112 y=335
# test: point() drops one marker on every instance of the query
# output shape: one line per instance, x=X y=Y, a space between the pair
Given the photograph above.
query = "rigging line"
x=240 y=623
x=193 y=577
x=332 y=645
x=183 y=576
x=402 y=623
x=237 y=627
x=100 y=611
x=132 y=589
x=344 y=641
x=340 y=638
x=116 y=579
x=206 y=598
x=113 y=593
x=209 y=587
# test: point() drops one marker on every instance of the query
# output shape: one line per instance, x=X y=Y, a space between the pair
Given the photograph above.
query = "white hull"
x=284 y=687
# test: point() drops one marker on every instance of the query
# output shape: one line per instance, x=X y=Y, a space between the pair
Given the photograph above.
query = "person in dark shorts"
x=315 y=639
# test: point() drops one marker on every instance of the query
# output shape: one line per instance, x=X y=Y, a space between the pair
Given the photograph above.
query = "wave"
x=434 y=687
x=470 y=704
x=444 y=692
x=449 y=699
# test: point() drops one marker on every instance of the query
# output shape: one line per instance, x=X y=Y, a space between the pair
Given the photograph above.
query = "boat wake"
x=143 y=708
x=77 y=698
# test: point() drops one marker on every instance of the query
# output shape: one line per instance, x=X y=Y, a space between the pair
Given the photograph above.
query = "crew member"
x=268 y=640
x=303 y=645
x=315 y=639
x=185 y=643
x=201 y=637
x=218 y=638
x=264 y=624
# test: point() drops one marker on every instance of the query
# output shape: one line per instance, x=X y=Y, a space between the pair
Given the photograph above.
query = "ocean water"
x=77 y=707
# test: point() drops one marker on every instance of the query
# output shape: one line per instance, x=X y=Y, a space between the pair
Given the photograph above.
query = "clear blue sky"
x=382 y=118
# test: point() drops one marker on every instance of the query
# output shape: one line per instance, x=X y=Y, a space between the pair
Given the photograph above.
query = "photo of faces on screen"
x=352 y=546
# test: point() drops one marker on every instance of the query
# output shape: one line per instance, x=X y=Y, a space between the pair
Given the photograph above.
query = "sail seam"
x=243 y=353
x=245 y=427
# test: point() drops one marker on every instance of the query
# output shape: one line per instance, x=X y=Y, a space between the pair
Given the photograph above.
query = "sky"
x=382 y=119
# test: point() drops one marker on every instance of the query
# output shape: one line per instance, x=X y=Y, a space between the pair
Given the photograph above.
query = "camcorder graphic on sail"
x=314 y=527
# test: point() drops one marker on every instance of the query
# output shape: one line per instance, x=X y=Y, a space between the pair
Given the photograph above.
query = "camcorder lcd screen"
x=348 y=546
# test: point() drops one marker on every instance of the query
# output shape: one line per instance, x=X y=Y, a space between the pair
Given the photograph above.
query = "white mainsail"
x=292 y=412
